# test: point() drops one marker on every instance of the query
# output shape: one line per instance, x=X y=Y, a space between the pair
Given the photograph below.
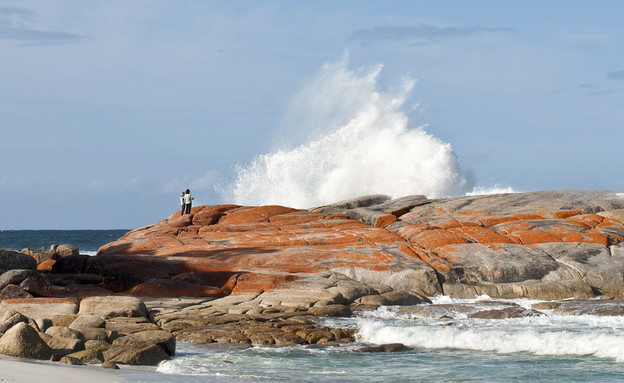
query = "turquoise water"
x=535 y=349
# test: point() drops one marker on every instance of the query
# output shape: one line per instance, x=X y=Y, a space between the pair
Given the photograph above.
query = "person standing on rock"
x=182 y=203
x=188 y=201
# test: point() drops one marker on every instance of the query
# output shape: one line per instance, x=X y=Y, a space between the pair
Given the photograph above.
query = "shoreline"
x=16 y=370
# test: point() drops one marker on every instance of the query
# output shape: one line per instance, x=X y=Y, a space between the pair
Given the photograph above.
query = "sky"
x=108 y=109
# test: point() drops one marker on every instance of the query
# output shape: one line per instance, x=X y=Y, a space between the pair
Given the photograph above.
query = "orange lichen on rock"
x=478 y=234
x=432 y=239
x=254 y=214
x=530 y=237
x=493 y=221
x=563 y=214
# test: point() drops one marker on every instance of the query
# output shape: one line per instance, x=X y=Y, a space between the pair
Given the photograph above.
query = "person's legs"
x=188 y=208
x=183 y=208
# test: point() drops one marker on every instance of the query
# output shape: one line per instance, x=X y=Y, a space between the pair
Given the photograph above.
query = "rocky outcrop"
x=543 y=245
x=85 y=337
x=264 y=275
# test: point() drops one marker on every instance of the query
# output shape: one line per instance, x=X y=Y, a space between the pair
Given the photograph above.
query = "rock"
x=597 y=308
x=11 y=321
x=71 y=361
x=146 y=356
x=64 y=332
x=11 y=259
x=70 y=264
x=394 y=298
x=87 y=321
x=22 y=341
x=16 y=276
x=113 y=306
x=508 y=312
x=37 y=285
x=91 y=356
x=141 y=339
x=391 y=347
x=110 y=365
x=43 y=324
x=63 y=320
x=97 y=345
x=67 y=250
x=124 y=325
x=331 y=311
x=14 y=292
x=64 y=346
x=36 y=308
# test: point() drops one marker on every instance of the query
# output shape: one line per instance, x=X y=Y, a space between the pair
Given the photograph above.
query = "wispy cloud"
x=15 y=25
x=422 y=34
x=617 y=75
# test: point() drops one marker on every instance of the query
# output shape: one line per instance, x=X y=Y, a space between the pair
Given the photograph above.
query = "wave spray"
x=358 y=141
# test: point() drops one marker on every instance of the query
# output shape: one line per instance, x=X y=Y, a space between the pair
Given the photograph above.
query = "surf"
x=356 y=140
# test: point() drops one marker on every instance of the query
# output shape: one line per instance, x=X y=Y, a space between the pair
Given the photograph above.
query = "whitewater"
x=545 y=348
x=353 y=140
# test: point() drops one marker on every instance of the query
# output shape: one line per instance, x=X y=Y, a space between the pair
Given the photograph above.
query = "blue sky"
x=108 y=109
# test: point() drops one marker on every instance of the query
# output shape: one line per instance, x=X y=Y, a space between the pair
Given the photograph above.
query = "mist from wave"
x=358 y=140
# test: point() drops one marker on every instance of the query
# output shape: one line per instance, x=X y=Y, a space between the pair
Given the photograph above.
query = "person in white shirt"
x=182 y=203
x=188 y=201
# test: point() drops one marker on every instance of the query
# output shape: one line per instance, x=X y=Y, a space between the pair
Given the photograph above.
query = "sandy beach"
x=19 y=371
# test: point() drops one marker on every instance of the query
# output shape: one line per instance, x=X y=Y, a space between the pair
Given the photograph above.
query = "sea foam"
x=358 y=141
x=544 y=335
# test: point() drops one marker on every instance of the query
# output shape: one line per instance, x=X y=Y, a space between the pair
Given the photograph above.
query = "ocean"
x=545 y=348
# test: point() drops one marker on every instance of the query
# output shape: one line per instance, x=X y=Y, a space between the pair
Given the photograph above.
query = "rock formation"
x=544 y=245
x=263 y=275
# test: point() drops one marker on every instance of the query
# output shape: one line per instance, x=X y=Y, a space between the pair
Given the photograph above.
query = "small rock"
x=111 y=365
x=91 y=356
x=70 y=360
x=392 y=347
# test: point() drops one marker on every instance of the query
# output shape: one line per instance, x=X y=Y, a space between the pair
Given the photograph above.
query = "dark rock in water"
x=391 y=347
x=593 y=307
x=71 y=361
x=11 y=259
x=509 y=312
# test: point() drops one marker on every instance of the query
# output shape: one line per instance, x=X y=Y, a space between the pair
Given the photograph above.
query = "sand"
x=20 y=371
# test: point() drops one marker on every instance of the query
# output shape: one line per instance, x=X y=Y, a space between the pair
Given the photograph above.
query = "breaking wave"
x=358 y=141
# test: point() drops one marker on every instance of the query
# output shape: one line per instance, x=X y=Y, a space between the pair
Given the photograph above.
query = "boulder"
x=11 y=259
x=14 y=292
x=64 y=346
x=71 y=361
x=146 y=356
x=11 y=320
x=141 y=339
x=36 y=308
x=90 y=356
x=22 y=341
x=67 y=250
x=87 y=321
x=37 y=285
x=113 y=306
